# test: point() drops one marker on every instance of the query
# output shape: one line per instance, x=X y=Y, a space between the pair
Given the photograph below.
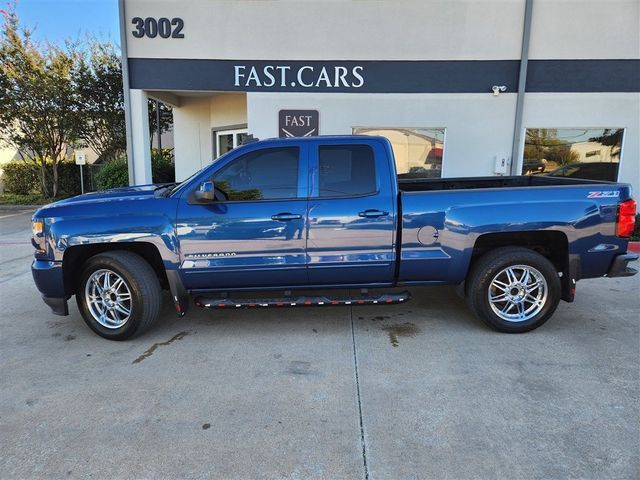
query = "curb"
x=634 y=247
x=19 y=207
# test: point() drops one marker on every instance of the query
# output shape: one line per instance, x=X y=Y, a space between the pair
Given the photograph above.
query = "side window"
x=591 y=153
x=261 y=175
x=418 y=152
x=346 y=170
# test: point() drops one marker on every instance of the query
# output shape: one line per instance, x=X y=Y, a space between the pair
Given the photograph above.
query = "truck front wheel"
x=118 y=294
x=513 y=289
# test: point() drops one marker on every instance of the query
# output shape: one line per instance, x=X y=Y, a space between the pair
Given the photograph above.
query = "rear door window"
x=346 y=171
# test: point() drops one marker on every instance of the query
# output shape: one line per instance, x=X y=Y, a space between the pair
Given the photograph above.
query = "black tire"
x=491 y=267
x=142 y=283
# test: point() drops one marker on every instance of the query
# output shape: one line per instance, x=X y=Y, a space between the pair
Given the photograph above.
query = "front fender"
x=148 y=222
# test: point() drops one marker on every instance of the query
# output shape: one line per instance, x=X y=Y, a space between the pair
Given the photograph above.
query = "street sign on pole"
x=81 y=159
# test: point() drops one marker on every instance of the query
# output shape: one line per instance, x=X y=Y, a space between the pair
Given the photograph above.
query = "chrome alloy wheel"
x=108 y=298
x=518 y=293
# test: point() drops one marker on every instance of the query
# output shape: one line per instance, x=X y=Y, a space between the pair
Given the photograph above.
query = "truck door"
x=352 y=214
x=253 y=234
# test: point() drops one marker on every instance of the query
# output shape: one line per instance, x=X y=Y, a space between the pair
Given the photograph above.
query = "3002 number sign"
x=151 y=28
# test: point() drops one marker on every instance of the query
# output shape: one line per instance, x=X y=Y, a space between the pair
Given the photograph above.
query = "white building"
x=454 y=83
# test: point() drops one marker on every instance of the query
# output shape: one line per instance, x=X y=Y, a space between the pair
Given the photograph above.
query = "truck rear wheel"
x=513 y=289
x=118 y=295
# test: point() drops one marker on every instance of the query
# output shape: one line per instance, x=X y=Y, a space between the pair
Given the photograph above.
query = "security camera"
x=497 y=89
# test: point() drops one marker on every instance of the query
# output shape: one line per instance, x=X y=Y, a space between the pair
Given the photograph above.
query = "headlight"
x=38 y=241
x=37 y=227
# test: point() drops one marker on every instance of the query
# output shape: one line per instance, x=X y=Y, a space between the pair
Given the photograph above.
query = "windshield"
x=186 y=181
x=175 y=187
x=178 y=187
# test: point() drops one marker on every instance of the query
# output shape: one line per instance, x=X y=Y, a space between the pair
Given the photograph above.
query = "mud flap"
x=570 y=277
x=58 y=306
x=179 y=294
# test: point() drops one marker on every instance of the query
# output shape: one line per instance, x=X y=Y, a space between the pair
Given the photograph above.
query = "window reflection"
x=261 y=175
x=417 y=151
x=589 y=153
x=346 y=170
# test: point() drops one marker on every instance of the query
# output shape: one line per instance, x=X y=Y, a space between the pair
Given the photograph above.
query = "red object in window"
x=434 y=154
x=626 y=218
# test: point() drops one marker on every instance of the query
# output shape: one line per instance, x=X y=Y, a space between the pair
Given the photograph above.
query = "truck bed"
x=444 y=220
x=467 y=183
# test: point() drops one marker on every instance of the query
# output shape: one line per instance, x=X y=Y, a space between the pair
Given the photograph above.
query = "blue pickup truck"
x=273 y=218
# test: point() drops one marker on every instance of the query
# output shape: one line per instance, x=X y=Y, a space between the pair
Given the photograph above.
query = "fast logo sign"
x=305 y=76
x=298 y=123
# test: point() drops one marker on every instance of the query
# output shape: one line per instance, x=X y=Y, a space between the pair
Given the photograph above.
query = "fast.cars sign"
x=305 y=76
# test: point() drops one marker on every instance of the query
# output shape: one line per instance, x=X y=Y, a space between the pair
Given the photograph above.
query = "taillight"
x=626 y=218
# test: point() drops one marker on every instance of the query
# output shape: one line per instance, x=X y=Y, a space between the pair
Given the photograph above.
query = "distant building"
x=594 y=152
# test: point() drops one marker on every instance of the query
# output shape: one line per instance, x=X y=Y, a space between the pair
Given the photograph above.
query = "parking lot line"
x=13 y=215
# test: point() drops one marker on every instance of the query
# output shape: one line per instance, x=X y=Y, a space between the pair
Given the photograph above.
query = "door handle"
x=285 y=217
x=373 y=213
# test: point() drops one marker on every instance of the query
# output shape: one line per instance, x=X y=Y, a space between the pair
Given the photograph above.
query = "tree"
x=99 y=82
x=543 y=143
x=611 y=138
x=166 y=119
x=38 y=99
x=537 y=141
x=562 y=154
x=54 y=98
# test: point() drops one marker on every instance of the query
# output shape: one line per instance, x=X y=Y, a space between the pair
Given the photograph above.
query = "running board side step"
x=302 y=301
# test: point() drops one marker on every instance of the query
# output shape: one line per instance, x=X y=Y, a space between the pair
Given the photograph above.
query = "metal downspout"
x=522 y=84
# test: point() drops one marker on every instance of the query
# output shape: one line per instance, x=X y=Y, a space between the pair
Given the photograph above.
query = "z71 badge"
x=606 y=194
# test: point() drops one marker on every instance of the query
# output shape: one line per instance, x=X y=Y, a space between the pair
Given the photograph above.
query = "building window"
x=227 y=140
x=418 y=151
x=261 y=175
x=346 y=170
x=590 y=153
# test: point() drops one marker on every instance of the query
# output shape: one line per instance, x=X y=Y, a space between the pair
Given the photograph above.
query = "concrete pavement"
x=421 y=390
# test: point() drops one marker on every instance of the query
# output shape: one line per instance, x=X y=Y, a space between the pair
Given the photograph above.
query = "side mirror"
x=205 y=192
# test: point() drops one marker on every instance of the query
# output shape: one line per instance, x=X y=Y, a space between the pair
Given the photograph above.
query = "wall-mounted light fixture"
x=497 y=89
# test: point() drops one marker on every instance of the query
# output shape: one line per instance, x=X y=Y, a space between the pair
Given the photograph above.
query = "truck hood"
x=111 y=195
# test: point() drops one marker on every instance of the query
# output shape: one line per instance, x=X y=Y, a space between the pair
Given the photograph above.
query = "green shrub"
x=114 y=173
x=23 y=178
x=29 y=199
x=20 y=177
x=69 y=178
x=163 y=170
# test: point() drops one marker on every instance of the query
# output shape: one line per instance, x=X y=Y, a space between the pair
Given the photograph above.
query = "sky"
x=56 y=20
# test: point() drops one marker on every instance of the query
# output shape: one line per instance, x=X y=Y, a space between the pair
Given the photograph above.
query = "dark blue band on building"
x=455 y=76
x=583 y=75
